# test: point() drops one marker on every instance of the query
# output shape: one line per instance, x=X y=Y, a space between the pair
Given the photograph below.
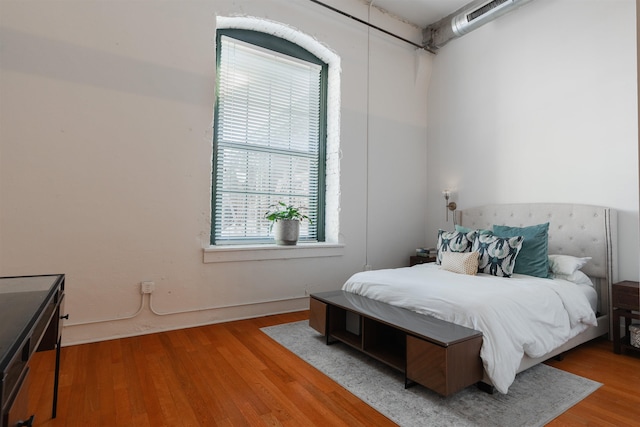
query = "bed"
x=524 y=319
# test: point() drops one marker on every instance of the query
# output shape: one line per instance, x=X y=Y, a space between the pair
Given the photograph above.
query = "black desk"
x=30 y=320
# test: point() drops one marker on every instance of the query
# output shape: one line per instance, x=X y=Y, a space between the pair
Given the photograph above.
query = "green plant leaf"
x=282 y=211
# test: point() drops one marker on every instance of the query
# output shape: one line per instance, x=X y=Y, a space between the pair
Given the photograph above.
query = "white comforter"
x=516 y=315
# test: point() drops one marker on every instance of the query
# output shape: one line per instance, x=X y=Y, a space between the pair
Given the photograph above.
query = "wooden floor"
x=234 y=375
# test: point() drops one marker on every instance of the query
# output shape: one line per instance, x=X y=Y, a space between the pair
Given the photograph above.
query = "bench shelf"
x=439 y=355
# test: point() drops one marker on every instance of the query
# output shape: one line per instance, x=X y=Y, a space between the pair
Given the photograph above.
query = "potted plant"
x=285 y=220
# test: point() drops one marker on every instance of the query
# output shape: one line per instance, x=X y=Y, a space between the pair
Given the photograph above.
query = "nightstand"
x=625 y=303
x=414 y=259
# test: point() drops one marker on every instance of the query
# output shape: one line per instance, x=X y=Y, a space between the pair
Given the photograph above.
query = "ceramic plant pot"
x=286 y=231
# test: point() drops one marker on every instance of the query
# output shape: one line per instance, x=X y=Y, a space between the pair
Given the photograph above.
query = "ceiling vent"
x=466 y=19
x=471 y=19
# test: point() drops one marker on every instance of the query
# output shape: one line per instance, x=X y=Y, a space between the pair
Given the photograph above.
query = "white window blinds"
x=267 y=140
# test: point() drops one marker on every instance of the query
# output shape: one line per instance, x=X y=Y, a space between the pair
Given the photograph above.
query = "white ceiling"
x=420 y=12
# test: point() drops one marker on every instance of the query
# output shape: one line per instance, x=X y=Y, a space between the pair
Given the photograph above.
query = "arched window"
x=270 y=133
x=276 y=131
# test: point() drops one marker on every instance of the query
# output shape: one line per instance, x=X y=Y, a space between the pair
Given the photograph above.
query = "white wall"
x=540 y=106
x=105 y=145
x=105 y=158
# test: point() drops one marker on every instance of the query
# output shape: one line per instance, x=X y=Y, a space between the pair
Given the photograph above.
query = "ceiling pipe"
x=368 y=24
x=466 y=19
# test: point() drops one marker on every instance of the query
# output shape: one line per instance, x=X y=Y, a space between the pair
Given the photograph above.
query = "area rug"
x=536 y=397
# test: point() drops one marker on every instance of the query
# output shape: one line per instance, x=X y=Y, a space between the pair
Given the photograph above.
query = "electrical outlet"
x=147 y=287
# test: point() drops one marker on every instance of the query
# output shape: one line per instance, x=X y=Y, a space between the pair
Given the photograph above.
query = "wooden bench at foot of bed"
x=439 y=355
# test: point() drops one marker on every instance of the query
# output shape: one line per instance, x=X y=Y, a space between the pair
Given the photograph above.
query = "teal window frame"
x=285 y=47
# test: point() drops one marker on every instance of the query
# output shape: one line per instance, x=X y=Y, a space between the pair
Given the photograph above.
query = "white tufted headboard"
x=578 y=230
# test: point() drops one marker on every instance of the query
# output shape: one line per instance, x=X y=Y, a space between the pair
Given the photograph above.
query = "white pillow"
x=460 y=262
x=566 y=264
x=578 y=277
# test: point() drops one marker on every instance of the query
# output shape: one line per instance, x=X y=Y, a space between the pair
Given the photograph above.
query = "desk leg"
x=56 y=378
x=616 y=331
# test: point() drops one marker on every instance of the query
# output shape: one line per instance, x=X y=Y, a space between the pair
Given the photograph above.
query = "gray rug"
x=536 y=397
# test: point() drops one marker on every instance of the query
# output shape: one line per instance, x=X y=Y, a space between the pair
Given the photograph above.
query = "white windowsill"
x=233 y=253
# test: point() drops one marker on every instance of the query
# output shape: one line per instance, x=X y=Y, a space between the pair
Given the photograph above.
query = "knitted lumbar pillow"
x=460 y=262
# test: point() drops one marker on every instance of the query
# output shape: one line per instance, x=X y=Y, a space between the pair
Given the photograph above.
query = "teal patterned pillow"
x=466 y=230
x=454 y=241
x=497 y=254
